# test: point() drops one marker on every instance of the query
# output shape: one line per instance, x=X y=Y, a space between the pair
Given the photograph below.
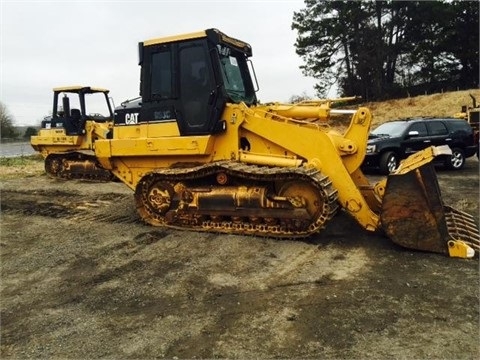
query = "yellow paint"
x=459 y=249
x=175 y=38
x=76 y=88
x=56 y=140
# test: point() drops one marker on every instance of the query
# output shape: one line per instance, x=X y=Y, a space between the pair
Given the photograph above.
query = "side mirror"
x=413 y=133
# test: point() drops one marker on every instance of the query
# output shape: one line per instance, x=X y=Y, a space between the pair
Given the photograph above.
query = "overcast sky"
x=45 y=44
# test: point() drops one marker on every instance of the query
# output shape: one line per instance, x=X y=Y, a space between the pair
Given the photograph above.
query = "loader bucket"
x=413 y=215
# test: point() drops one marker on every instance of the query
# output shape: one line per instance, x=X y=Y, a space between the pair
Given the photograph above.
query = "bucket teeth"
x=462 y=226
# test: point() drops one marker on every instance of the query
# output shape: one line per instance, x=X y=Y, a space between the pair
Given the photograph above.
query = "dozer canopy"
x=76 y=89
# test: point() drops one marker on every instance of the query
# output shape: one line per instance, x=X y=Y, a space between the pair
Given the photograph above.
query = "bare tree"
x=6 y=121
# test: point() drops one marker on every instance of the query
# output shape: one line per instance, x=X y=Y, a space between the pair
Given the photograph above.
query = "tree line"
x=388 y=49
x=7 y=128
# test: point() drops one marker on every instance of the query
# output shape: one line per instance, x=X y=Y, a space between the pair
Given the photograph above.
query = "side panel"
x=192 y=145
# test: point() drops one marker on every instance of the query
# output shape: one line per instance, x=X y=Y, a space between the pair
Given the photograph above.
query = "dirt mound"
x=435 y=105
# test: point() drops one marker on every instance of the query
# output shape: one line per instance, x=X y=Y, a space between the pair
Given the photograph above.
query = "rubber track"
x=248 y=173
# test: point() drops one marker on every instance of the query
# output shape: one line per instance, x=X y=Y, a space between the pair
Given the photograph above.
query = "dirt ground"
x=81 y=277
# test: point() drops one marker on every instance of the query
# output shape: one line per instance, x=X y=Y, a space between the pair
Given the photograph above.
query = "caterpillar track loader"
x=201 y=153
x=472 y=115
x=66 y=139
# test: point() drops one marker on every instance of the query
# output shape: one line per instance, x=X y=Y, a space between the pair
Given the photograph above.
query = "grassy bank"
x=21 y=166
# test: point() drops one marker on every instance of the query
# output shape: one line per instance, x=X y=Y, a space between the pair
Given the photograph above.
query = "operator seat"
x=75 y=114
x=75 y=121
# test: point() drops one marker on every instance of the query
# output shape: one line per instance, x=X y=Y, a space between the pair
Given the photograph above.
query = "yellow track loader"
x=472 y=115
x=201 y=153
x=66 y=139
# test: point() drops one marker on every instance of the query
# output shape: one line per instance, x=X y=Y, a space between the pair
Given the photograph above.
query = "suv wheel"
x=388 y=162
x=457 y=160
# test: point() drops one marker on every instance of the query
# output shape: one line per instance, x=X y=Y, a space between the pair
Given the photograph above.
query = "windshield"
x=393 y=129
x=235 y=75
x=96 y=104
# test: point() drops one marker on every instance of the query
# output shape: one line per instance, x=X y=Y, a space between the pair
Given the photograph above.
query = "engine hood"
x=372 y=138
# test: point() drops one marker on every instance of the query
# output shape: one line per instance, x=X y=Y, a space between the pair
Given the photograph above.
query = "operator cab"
x=74 y=105
x=190 y=78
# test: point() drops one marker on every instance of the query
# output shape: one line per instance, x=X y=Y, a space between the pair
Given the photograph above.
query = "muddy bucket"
x=413 y=215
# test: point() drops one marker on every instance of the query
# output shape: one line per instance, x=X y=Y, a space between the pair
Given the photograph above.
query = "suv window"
x=420 y=127
x=437 y=128
x=457 y=125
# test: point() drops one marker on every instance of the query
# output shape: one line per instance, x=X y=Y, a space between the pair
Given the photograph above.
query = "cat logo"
x=131 y=118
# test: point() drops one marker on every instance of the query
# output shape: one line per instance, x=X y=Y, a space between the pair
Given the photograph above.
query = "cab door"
x=198 y=96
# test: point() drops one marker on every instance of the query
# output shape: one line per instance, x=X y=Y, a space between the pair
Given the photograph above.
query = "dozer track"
x=77 y=166
x=235 y=198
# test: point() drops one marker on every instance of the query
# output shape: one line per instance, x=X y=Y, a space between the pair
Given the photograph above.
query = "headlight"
x=371 y=149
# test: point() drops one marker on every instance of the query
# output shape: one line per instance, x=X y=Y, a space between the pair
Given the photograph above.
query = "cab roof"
x=214 y=34
x=173 y=38
x=80 y=88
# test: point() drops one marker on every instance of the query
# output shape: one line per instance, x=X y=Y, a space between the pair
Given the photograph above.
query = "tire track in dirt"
x=110 y=208
x=151 y=292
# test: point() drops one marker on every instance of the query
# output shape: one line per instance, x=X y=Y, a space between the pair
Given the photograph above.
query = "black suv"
x=393 y=141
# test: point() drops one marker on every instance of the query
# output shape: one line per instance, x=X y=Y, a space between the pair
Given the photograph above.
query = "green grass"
x=21 y=166
x=20 y=160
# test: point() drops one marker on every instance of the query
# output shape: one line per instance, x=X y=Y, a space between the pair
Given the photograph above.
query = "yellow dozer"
x=201 y=153
x=80 y=116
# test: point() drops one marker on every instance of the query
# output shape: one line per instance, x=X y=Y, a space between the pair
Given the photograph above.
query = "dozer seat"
x=73 y=123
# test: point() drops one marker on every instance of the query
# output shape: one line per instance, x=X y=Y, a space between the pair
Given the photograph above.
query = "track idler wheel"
x=153 y=200
x=54 y=166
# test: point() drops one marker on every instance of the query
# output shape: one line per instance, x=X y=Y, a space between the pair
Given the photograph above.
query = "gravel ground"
x=81 y=277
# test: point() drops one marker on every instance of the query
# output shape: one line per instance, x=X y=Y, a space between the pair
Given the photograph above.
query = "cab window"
x=195 y=84
x=161 y=86
x=235 y=75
